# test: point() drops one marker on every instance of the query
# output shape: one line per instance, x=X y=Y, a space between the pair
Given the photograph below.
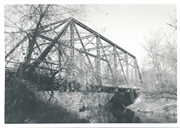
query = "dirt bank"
x=155 y=110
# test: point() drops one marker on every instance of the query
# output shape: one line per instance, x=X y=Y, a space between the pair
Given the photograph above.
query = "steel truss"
x=78 y=53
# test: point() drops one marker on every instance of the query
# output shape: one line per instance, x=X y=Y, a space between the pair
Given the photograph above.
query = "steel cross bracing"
x=75 y=52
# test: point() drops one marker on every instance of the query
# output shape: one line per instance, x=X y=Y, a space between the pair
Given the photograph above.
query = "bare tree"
x=161 y=49
x=153 y=48
x=25 y=21
x=173 y=23
x=23 y=24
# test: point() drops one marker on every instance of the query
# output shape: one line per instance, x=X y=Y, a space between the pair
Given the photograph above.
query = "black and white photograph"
x=90 y=63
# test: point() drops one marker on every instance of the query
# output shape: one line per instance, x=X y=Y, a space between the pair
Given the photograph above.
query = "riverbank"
x=31 y=106
x=155 y=109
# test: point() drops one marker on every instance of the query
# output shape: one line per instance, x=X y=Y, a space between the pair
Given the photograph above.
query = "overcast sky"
x=126 y=25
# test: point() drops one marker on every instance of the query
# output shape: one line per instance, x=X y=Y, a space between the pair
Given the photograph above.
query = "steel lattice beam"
x=93 y=50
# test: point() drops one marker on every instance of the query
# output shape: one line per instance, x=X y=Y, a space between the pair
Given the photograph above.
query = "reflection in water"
x=100 y=115
x=157 y=118
x=94 y=107
x=114 y=112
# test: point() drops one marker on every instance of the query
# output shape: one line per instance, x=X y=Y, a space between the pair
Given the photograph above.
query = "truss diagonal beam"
x=84 y=49
x=106 y=58
x=122 y=67
x=41 y=52
x=102 y=37
x=49 y=47
x=62 y=21
x=52 y=28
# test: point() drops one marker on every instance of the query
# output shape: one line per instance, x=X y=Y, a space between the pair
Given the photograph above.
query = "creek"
x=155 y=110
x=156 y=118
x=148 y=110
x=90 y=107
